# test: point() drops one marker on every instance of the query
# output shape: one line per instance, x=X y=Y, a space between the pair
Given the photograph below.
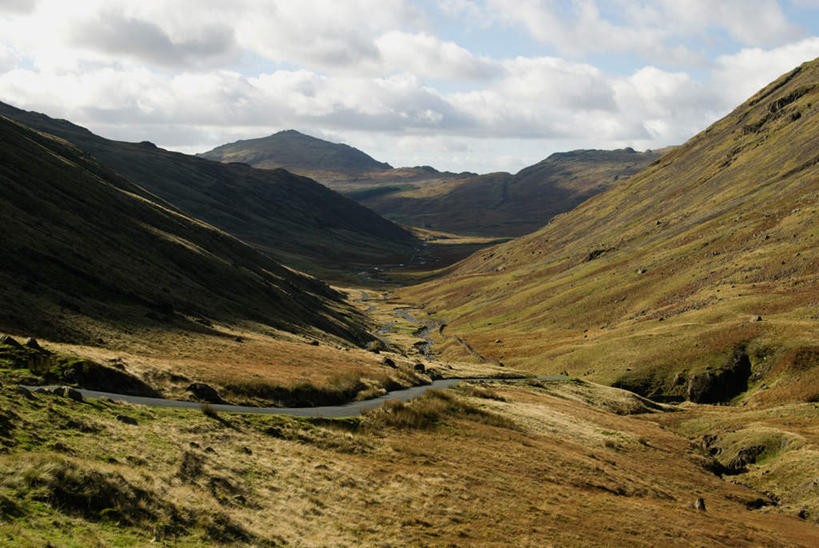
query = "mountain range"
x=492 y=205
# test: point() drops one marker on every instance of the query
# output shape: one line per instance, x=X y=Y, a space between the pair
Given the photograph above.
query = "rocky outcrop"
x=723 y=384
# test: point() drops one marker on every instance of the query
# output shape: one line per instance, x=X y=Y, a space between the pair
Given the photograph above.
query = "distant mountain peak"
x=298 y=152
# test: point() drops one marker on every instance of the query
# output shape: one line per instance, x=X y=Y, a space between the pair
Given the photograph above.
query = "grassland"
x=475 y=465
x=713 y=249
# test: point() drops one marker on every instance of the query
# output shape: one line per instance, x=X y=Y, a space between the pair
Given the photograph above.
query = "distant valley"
x=491 y=205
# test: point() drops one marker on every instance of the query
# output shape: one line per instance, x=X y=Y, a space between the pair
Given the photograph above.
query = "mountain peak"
x=300 y=153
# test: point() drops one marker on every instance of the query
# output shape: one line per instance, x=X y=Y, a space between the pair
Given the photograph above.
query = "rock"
x=126 y=419
x=314 y=343
x=803 y=513
x=723 y=384
x=434 y=374
x=745 y=456
x=239 y=339
x=9 y=341
x=498 y=341
x=204 y=392
x=699 y=504
x=25 y=392
x=70 y=393
x=376 y=346
x=419 y=368
x=32 y=343
x=757 y=319
x=389 y=362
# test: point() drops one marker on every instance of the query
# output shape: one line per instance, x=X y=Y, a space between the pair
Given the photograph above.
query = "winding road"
x=330 y=411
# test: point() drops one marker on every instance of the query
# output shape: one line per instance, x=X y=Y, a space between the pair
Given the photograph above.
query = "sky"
x=462 y=85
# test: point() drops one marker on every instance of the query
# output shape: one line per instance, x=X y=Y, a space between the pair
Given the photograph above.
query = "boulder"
x=699 y=504
x=376 y=346
x=33 y=344
x=723 y=384
x=419 y=368
x=25 y=392
x=8 y=341
x=389 y=362
x=202 y=391
x=70 y=393
x=126 y=419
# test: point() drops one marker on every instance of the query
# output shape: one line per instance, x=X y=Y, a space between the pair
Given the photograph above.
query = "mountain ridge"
x=81 y=242
x=295 y=219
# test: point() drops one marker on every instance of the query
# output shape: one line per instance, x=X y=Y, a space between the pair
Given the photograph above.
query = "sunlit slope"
x=294 y=219
x=712 y=251
x=298 y=153
x=81 y=252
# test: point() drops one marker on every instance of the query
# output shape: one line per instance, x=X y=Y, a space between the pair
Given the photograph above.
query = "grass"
x=717 y=233
x=502 y=204
x=294 y=219
x=530 y=463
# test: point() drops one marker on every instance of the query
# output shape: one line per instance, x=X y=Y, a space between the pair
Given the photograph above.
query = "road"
x=331 y=411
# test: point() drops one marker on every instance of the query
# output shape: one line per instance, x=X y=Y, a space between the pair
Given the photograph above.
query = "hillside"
x=299 y=153
x=294 y=219
x=492 y=205
x=502 y=204
x=695 y=279
x=78 y=248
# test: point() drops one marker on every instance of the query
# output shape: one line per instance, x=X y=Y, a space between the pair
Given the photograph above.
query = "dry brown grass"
x=564 y=473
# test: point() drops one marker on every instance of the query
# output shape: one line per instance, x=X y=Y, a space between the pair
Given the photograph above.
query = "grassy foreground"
x=564 y=463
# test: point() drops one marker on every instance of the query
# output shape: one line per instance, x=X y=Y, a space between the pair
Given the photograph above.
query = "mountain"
x=296 y=220
x=495 y=204
x=502 y=204
x=697 y=278
x=83 y=250
x=298 y=153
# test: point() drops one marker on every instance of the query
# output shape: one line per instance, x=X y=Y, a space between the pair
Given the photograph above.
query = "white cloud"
x=426 y=55
x=375 y=73
x=655 y=31
x=740 y=75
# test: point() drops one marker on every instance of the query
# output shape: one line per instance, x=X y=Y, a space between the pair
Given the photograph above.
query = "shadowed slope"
x=501 y=204
x=79 y=246
x=298 y=221
x=707 y=261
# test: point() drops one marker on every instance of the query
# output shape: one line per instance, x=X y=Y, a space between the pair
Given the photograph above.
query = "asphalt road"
x=330 y=411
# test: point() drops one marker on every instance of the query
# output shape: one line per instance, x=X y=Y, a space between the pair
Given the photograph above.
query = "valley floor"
x=564 y=463
x=535 y=463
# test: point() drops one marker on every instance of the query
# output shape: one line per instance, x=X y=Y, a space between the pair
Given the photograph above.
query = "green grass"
x=716 y=233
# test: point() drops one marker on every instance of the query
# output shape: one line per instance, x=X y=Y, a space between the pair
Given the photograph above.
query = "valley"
x=605 y=348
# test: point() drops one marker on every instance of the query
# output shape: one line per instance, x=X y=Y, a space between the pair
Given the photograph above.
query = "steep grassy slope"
x=298 y=153
x=695 y=279
x=296 y=220
x=502 y=204
x=80 y=250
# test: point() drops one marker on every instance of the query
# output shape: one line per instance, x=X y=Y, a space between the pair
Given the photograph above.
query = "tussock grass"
x=430 y=411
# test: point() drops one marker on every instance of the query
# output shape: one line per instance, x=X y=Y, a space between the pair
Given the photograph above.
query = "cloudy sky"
x=457 y=84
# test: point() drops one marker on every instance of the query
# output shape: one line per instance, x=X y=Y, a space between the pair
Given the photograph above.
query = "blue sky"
x=478 y=85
